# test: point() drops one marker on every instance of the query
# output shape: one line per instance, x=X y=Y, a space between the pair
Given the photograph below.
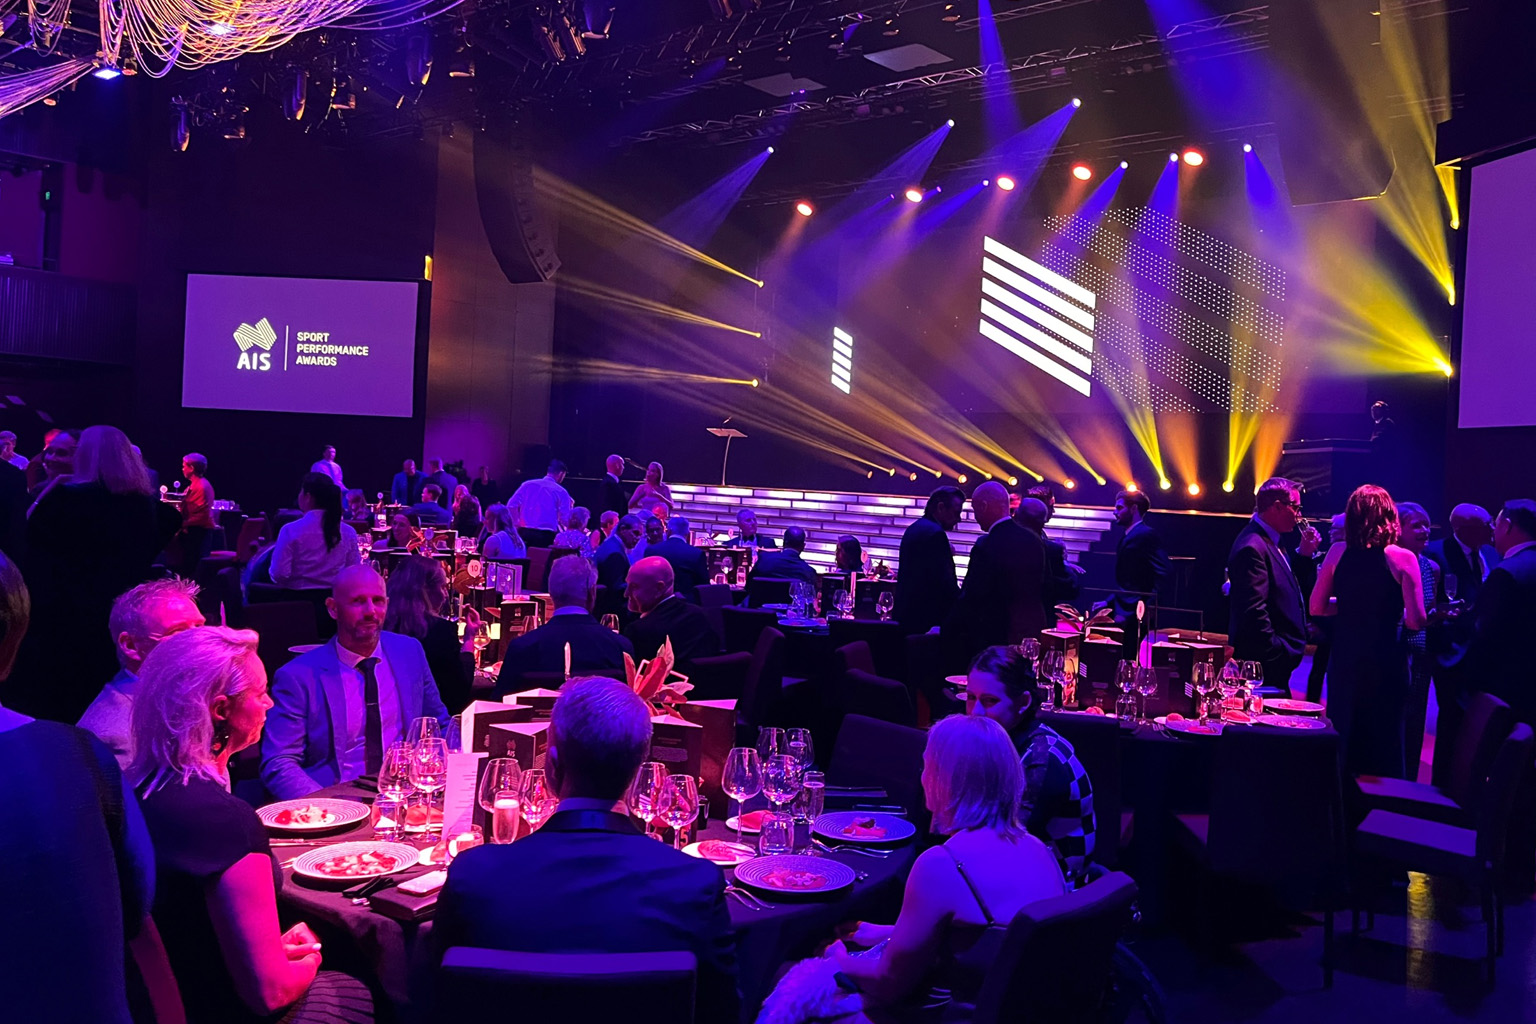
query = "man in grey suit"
x=337 y=709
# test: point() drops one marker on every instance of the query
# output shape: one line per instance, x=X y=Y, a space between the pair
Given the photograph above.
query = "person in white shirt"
x=541 y=507
x=8 y=450
x=311 y=551
x=329 y=466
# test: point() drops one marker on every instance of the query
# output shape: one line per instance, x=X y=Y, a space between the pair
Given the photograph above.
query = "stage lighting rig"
x=1082 y=172
x=1006 y=183
x=804 y=208
x=1193 y=157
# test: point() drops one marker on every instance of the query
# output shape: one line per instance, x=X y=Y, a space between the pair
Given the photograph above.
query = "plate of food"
x=790 y=873
x=751 y=823
x=863 y=827
x=719 y=851
x=1191 y=726
x=348 y=862
x=1286 y=706
x=1292 y=722
x=1233 y=716
x=312 y=814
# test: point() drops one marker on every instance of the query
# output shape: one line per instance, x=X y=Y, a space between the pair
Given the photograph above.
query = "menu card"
x=541 y=699
x=524 y=742
x=459 y=795
x=480 y=715
x=677 y=744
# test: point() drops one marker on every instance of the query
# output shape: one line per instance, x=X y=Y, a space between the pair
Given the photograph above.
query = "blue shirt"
x=540 y=504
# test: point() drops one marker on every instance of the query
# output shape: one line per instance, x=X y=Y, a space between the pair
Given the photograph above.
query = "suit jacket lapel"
x=396 y=667
x=335 y=701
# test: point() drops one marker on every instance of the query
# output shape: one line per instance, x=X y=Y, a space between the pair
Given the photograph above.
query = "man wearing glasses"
x=1269 y=620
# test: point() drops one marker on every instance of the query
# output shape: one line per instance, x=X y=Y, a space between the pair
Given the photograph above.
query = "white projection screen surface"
x=1498 y=328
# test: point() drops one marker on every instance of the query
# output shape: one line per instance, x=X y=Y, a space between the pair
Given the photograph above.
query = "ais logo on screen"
x=260 y=337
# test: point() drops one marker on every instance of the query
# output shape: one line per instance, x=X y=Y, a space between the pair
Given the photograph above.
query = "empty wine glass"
x=429 y=774
x=1029 y=647
x=799 y=745
x=645 y=794
x=679 y=806
x=389 y=807
x=501 y=797
x=1146 y=685
x=782 y=776
x=842 y=601
x=423 y=729
x=1053 y=670
x=537 y=797
x=1204 y=682
x=884 y=603
x=742 y=779
x=770 y=741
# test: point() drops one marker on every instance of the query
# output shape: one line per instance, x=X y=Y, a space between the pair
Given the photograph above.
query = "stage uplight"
x=1124 y=165
x=1165 y=484
x=1082 y=172
x=1130 y=485
x=1194 y=490
x=1006 y=183
x=1193 y=157
x=1069 y=484
x=912 y=476
x=1076 y=102
x=962 y=478
x=804 y=208
x=1173 y=158
x=1013 y=481
x=755 y=382
x=1227 y=486
x=1247 y=147
x=914 y=195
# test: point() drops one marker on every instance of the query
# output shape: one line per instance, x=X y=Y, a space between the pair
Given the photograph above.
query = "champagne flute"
x=799 y=745
x=884 y=603
x=500 y=797
x=429 y=773
x=680 y=806
x=742 y=779
x=537 y=797
x=645 y=794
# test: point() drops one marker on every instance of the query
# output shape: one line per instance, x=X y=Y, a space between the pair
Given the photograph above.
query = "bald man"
x=663 y=613
x=1467 y=555
x=1060 y=581
x=338 y=708
x=614 y=498
x=1002 y=600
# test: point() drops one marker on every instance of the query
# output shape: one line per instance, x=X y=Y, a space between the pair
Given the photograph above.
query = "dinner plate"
x=338 y=813
x=824 y=874
x=739 y=853
x=1191 y=727
x=750 y=827
x=309 y=863
x=830 y=826
x=1291 y=722
x=1286 y=706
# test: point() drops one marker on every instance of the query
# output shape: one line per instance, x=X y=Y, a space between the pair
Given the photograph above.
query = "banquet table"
x=789 y=929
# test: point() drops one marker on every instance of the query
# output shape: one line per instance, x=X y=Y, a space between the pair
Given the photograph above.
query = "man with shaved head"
x=338 y=708
x=1060 y=583
x=1467 y=554
x=664 y=614
x=1002 y=599
x=614 y=498
x=788 y=563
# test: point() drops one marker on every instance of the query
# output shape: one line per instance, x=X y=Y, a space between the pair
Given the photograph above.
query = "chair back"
x=536 y=576
x=1055 y=961
x=1271 y=833
x=1096 y=741
x=249 y=539
x=854 y=656
x=887 y=643
x=639 y=988
x=764 y=590
x=869 y=752
x=1484 y=727
x=741 y=627
x=925 y=673
x=864 y=693
x=226 y=592
x=712 y=598
x=1511 y=770
x=765 y=681
x=719 y=676
x=281 y=625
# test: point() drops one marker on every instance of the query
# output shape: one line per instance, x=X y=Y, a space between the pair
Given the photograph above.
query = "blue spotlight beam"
x=1024 y=155
x=697 y=220
x=999 y=110
x=1270 y=211
x=1165 y=194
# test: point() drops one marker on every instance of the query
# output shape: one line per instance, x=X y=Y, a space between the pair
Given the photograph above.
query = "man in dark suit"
x=1141 y=564
x=746 y=522
x=1060 y=584
x=925 y=567
x=406 y=487
x=614 y=555
x=1467 y=554
x=1268 y=617
x=786 y=564
x=689 y=566
x=446 y=482
x=429 y=511
x=665 y=614
x=593 y=882
x=614 y=499
x=1001 y=601
x=595 y=649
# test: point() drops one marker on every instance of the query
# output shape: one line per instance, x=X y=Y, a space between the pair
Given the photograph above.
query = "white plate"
x=405 y=858
x=1286 y=706
x=835 y=875
x=740 y=853
x=830 y=826
x=1291 y=722
x=339 y=813
x=1191 y=727
x=733 y=821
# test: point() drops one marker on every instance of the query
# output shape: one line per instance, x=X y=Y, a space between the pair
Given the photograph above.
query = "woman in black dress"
x=417 y=591
x=1373 y=586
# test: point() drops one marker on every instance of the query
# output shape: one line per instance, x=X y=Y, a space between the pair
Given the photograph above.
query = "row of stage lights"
x=1193 y=488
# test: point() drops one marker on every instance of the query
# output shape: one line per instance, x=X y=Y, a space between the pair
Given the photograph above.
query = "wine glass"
x=389 y=806
x=1204 y=682
x=842 y=602
x=1449 y=582
x=770 y=741
x=423 y=729
x=429 y=773
x=1125 y=682
x=1053 y=670
x=537 y=797
x=742 y=779
x=782 y=776
x=884 y=603
x=1146 y=685
x=679 y=806
x=500 y=797
x=645 y=794
x=799 y=745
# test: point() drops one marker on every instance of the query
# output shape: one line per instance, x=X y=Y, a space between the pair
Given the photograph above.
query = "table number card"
x=459 y=795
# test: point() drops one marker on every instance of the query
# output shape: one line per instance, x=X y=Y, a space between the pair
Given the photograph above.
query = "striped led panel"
x=842 y=360
x=1037 y=314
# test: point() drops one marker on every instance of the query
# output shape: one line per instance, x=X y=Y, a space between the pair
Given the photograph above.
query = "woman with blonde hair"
x=418 y=590
x=1374 y=586
x=202 y=698
x=499 y=538
x=652 y=491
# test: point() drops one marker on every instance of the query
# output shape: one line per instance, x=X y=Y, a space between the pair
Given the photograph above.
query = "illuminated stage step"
x=877 y=520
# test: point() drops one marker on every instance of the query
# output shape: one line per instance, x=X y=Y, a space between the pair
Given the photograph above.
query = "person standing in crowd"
x=338 y=707
x=8 y=451
x=613 y=486
x=652 y=490
x=197 y=520
x=1468 y=554
x=466 y=516
x=1268 y=618
x=88 y=541
x=848 y=556
x=502 y=540
x=1413 y=529
x=13 y=511
x=541 y=506
x=663 y=614
x=405 y=489
x=79 y=862
x=429 y=511
x=141 y=618
x=1060 y=583
x=56 y=464
x=689 y=566
x=785 y=564
x=1374 y=588
x=312 y=550
x=1141 y=565
x=747 y=533
x=576 y=535
x=446 y=481
x=203 y=699
x=328 y=465
x=418 y=591
x=925 y=569
x=594 y=648
x=1002 y=599
x=602 y=886
x=486 y=491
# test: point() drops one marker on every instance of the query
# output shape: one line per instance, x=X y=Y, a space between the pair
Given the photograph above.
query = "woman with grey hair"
x=576 y=535
x=202 y=699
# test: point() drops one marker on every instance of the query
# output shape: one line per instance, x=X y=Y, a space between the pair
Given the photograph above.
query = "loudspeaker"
x=1328 y=66
x=520 y=230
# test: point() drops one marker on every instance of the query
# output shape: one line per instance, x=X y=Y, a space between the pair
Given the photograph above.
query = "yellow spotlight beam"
x=626 y=300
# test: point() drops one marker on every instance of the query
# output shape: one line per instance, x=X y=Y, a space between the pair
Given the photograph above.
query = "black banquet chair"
x=637 y=988
x=742 y=626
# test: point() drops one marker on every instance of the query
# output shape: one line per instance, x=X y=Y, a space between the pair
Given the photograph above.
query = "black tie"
x=373 y=726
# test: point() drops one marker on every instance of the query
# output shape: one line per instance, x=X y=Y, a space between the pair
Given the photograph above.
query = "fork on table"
x=848 y=848
x=749 y=900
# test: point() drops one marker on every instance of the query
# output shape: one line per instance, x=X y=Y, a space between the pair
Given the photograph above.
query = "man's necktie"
x=373 y=725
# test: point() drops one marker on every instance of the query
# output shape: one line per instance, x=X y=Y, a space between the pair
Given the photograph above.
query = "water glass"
x=811 y=801
x=388 y=815
x=777 y=835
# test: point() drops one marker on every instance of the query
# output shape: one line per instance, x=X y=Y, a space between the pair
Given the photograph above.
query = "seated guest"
x=8 y=452
x=418 y=591
x=786 y=564
x=925 y=567
x=655 y=533
x=960 y=896
x=665 y=614
x=651 y=491
x=203 y=698
x=486 y=491
x=328 y=465
x=614 y=555
x=80 y=871
x=576 y=535
x=141 y=618
x=595 y=649
x=402 y=532
x=338 y=707
x=466 y=516
x=606 y=523
x=601 y=886
x=428 y=511
x=849 y=555
x=688 y=563
x=445 y=481
x=501 y=537
x=355 y=506
x=406 y=487
x=312 y=549
x=1058 y=796
x=748 y=537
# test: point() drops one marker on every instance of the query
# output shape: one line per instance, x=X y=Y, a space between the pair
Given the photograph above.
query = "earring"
x=220 y=737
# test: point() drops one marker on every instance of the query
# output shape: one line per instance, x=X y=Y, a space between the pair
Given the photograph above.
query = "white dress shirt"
x=331 y=469
x=541 y=503
x=19 y=460
x=1474 y=558
x=353 y=760
x=300 y=559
